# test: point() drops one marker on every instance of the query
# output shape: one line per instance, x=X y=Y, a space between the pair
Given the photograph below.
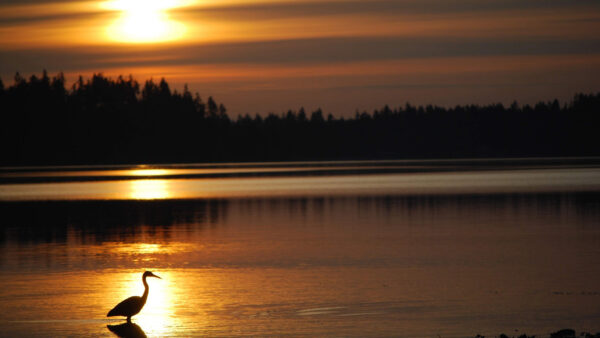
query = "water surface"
x=414 y=249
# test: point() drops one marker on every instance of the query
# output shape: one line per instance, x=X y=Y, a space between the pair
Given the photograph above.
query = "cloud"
x=30 y=19
x=278 y=10
x=296 y=51
x=243 y=11
x=6 y=3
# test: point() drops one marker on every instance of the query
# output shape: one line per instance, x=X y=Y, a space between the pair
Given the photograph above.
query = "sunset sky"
x=272 y=55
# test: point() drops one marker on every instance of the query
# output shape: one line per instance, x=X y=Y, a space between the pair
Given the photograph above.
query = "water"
x=400 y=248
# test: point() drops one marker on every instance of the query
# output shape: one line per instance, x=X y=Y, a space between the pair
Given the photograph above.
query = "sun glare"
x=144 y=21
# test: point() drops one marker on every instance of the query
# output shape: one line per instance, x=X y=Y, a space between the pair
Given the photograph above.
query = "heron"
x=132 y=305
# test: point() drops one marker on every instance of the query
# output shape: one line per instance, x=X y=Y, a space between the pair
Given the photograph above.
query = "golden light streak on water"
x=147 y=172
x=141 y=248
x=149 y=189
x=148 y=251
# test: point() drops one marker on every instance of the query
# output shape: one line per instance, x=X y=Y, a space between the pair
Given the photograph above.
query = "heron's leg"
x=129 y=319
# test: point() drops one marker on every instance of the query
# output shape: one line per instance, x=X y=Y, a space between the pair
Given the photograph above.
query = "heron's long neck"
x=145 y=295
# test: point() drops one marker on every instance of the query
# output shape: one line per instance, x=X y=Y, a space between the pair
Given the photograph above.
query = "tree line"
x=102 y=120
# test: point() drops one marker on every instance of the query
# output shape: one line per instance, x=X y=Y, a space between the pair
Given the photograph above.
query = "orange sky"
x=271 y=55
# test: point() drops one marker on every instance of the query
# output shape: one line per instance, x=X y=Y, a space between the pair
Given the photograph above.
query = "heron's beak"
x=153 y=275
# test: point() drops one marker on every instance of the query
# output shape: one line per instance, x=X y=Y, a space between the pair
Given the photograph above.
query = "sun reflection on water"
x=139 y=248
x=157 y=317
x=149 y=248
x=149 y=189
x=147 y=172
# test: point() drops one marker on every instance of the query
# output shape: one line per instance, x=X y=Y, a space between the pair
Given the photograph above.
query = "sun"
x=144 y=21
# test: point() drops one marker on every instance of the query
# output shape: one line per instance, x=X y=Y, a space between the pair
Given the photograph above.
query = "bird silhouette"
x=132 y=305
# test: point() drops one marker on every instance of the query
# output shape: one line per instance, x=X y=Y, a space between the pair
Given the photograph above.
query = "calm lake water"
x=391 y=248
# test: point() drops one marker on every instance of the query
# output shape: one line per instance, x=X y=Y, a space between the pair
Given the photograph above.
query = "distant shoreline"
x=105 y=121
x=83 y=173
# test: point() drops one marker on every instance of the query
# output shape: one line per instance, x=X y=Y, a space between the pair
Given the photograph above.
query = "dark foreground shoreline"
x=564 y=333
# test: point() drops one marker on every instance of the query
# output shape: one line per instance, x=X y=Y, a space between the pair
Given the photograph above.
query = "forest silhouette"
x=104 y=121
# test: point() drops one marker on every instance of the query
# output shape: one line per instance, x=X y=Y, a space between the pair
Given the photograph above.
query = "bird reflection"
x=127 y=330
x=132 y=305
